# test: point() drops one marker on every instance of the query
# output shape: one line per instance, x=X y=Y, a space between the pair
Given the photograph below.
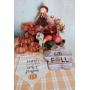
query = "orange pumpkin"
x=23 y=40
x=20 y=49
x=35 y=29
x=32 y=32
x=30 y=39
x=33 y=47
x=26 y=27
x=20 y=40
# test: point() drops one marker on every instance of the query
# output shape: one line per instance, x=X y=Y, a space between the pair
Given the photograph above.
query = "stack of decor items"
x=44 y=33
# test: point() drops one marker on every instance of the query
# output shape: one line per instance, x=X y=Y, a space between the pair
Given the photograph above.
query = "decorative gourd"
x=33 y=47
x=30 y=39
x=35 y=29
x=26 y=27
x=23 y=40
x=21 y=48
x=32 y=32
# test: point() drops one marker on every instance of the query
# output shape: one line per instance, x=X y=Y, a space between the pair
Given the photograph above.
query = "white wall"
x=26 y=10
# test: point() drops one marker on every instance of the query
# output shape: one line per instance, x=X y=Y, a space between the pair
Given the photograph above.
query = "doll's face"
x=43 y=11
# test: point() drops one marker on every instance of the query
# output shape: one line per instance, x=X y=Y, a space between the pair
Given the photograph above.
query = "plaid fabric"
x=53 y=80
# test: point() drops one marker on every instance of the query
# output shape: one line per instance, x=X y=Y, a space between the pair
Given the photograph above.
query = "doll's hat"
x=43 y=6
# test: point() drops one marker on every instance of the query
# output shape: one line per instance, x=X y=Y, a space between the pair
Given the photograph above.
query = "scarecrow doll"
x=41 y=18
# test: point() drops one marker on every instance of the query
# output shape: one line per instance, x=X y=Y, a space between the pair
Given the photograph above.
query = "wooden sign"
x=59 y=58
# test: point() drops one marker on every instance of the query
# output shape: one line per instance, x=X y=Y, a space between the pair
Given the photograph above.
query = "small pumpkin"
x=26 y=26
x=21 y=48
x=23 y=40
x=33 y=47
x=32 y=32
x=30 y=48
x=37 y=28
x=30 y=39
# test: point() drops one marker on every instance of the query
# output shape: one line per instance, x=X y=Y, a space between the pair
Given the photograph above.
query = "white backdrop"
x=26 y=10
